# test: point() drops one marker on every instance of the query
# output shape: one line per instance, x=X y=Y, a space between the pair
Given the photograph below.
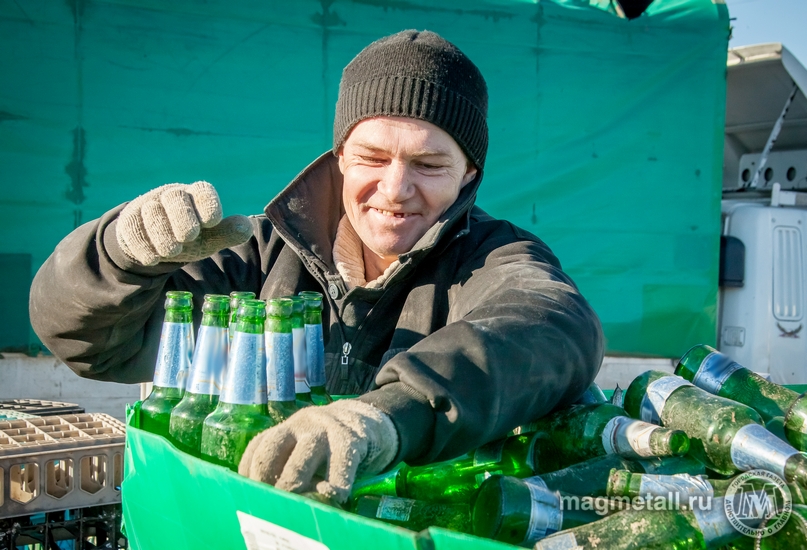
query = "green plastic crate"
x=173 y=500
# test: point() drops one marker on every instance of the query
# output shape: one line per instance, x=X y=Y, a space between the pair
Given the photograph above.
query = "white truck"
x=763 y=275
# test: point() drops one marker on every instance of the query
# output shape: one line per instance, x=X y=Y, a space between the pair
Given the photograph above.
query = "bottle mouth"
x=178 y=299
x=279 y=307
x=678 y=442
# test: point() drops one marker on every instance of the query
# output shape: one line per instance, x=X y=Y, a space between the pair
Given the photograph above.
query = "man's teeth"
x=391 y=214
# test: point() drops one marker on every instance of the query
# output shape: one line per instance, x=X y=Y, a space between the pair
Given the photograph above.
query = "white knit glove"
x=336 y=441
x=178 y=223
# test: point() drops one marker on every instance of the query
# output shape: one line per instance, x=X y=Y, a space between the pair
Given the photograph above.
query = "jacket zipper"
x=346 y=347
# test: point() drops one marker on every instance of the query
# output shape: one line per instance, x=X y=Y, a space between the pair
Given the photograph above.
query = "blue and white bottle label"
x=315 y=355
x=300 y=361
x=246 y=371
x=714 y=371
x=174 y=355
x=209 y=361
x=279 y=366
x=546 y=515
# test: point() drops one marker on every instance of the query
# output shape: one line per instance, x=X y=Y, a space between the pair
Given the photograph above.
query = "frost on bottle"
x=281 y=402
x=716 y=373
x=206 y=378
x=580 y=432
x=726 y=436
x=173 y=363
x=685 y=489
x=302 y=390
x=455 y=480
x=315 y=347
x=241 y=413
x=236 y=297
x=646 y=528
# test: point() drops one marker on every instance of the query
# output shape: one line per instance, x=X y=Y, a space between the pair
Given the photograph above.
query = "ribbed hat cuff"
x=412 y=97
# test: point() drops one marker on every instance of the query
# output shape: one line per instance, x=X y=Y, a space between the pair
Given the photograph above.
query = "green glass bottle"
x=592 y=396
x=580 y=432
x=236 y=297
x=302 y=390
x=590 y=478
x=716 y=373
x=416 y=515
x=725 y=435
x=522 y=511
x=241 y=413
x=649 y=529
x=455 y=480
x=206 y=378
x=315 y=347
x=683 y=487
x=280 y=360
x=173 y=363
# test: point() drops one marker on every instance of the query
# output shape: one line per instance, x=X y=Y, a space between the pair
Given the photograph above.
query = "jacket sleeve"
x=102 y=314
x=520 y=341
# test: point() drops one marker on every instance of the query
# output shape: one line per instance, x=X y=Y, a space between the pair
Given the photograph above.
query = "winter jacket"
x=476 y=332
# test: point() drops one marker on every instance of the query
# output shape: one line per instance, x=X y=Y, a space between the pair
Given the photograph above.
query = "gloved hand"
x=178 y=223
x=347 y=437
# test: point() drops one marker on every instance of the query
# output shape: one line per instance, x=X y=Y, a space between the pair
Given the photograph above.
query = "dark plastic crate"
x=39 y=407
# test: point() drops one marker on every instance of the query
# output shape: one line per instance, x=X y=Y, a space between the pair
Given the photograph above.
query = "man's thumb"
x=231 y=231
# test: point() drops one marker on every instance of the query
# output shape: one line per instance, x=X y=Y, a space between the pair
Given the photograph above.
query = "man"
x=455 y=327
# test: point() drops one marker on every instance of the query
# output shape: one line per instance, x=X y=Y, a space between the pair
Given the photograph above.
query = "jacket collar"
x=306 y=214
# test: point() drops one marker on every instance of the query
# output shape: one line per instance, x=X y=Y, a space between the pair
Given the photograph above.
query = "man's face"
x=400 y=176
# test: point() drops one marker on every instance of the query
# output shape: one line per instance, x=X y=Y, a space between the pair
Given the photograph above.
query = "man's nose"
x=396 y=182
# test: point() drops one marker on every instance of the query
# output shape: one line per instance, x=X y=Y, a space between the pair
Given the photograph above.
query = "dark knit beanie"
x=416 y=74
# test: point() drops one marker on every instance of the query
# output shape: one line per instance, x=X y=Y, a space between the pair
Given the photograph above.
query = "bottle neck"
x=178 y=316
x=312 y=317
x=215 y=320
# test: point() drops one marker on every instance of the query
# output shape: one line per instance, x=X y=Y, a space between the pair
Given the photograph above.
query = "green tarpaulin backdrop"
x=606 y=134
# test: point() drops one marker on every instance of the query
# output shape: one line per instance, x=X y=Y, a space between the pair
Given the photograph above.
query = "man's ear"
x=340 y=156
x=469 y=176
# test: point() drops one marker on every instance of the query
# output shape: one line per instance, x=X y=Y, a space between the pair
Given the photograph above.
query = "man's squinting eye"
x=430 y=166
x=375 y=160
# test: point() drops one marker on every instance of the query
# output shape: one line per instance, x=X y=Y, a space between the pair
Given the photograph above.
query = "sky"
x=758 y=21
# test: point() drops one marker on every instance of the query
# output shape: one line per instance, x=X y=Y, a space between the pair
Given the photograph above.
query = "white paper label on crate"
x=395 y=508
x=174 y=355
x=658 y=391
x=714 y=372
x=260 y=534
x=315 y=355
x=246 y=370
x=209 y=361
x=628 y=437
x=300 y=361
